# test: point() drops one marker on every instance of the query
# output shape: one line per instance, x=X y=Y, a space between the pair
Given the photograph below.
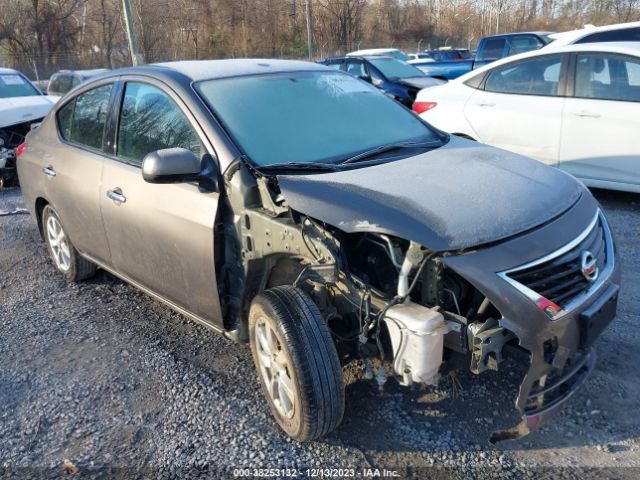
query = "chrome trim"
x=580 y=298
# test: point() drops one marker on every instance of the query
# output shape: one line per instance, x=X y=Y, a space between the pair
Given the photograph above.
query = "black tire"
x=306 y=341
x=79 y=267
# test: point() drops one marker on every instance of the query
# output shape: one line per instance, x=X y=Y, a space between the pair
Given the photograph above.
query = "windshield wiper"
x=387 y=148
x=301 y=166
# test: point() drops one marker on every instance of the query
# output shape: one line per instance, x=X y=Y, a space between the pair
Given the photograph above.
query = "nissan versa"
x=299 y=209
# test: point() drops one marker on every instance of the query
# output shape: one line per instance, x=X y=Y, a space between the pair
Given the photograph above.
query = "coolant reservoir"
x=417 y=338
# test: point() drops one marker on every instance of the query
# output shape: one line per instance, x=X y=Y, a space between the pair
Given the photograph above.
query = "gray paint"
x=458 y=196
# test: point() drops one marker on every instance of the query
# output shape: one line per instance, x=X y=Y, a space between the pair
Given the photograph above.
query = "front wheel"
x=297 y=362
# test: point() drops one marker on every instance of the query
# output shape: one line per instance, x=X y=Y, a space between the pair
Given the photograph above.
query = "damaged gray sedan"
x=300 y=210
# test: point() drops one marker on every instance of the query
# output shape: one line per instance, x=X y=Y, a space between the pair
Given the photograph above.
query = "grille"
x=560 y=279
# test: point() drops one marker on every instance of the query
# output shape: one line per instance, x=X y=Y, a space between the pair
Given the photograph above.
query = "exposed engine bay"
x=10 y=138
x=383 y=297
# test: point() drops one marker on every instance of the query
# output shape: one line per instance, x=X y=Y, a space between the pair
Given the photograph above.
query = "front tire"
x=297 y=362
x=73 y=266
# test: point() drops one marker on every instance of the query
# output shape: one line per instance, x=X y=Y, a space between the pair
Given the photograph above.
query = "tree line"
x=42 y=36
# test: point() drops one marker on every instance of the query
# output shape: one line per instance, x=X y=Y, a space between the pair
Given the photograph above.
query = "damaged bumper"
x=558 y=341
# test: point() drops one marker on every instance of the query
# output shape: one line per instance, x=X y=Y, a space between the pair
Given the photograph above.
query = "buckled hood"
x=461 y=195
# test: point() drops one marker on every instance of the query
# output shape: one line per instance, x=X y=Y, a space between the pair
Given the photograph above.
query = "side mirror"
x=179 y=165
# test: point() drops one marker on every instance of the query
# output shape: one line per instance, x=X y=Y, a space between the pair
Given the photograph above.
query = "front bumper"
x=560 y=354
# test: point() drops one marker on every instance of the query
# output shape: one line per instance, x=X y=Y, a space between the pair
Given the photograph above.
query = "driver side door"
x=161 y=236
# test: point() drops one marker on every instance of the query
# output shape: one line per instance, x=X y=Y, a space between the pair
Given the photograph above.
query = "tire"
x=73 y=266
x=304 y=362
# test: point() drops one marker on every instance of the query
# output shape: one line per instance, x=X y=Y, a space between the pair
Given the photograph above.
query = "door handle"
x=116 y=195
x=49 y=171
x=586 y=114
x=488 y=104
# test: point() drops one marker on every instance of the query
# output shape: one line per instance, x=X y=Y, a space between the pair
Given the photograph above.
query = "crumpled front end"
x=556 y=304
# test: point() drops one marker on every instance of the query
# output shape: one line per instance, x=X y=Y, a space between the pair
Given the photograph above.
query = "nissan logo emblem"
x=589 y=266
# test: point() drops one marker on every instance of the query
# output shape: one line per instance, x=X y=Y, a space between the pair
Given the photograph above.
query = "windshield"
x=14 y=85
x=395 y=69
x=309 y=117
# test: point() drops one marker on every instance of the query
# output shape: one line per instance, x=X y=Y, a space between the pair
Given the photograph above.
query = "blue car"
x=396 y=78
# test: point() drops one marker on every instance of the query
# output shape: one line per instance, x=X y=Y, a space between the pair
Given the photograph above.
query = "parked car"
x=621 y=32
x=451 y=65
x=396 y=78
x=22 y=105
x=574 y=107
x=323 y=224
x=63 y=81
x=420 y=56
x=380 y=52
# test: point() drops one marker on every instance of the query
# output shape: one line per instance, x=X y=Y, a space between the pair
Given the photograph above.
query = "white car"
x=380 y=52
x=575 y=107
x=620 y=32
x=21 y=105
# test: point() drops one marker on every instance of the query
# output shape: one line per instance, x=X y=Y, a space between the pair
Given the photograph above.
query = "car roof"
x=566 y=38
x=371 y=51
x=209 y=69
x=89 y=73
x=513 y=34
x=628 y=48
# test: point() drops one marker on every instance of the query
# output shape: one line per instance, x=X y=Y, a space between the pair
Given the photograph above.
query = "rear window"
x=493 y=49
x=14 y=85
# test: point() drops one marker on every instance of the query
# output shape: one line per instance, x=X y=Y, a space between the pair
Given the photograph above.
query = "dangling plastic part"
x=368 y=370
x=381 y=378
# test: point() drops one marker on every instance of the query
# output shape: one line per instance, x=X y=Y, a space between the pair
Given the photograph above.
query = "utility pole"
x=309 y=30
x=136 y=57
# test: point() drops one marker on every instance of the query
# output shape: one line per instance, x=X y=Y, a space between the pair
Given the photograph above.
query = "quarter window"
x=537 y=76
x=83 y=119
x=607 y=77
x=149 y=121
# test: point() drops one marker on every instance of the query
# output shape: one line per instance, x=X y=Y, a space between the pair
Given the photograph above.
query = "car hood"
x=461 y=195
x=420 y=82
x=17 y=110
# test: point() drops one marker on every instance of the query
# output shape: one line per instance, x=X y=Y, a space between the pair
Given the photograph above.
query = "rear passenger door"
x=73 y=168
x=601 y=120
x=519 y=107
x=161 y=236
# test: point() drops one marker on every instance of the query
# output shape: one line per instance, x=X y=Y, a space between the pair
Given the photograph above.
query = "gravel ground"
x=121 y=386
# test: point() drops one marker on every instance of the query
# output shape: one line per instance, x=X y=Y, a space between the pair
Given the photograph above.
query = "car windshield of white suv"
x=395 y=69
x=315 y=117
x=14 y=85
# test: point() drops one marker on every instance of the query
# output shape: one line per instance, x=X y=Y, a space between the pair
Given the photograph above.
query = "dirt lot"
x=100 y=374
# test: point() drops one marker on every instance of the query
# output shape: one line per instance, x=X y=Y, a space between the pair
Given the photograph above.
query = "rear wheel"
x=65 y=257
x=297 y=362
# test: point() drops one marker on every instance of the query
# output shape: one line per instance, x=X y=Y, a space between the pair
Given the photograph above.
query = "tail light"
x=21 y=148
x=421 y=107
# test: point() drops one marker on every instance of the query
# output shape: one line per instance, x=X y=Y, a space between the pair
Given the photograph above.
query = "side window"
x=492 y=49
x=523 y=44
x=607 y=77
x=621 y=35
x=356 y=68
x=376 y=76
x=334 y=65
x=537 y=76
x=83 y=119
x=149 y=121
